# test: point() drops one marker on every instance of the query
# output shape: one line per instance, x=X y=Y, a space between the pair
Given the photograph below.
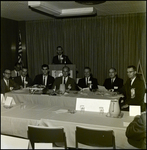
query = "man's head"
x=7 y=74
x=65 y=71
x=24 y=71
x=112 y=73
x=59 y=50
x=87 y=71
x=45 y=69
x=17 y=67
x=131 y=71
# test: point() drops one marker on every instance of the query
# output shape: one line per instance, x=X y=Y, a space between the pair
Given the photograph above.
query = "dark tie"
x=23 y=81
x=87 y=81
x=17 y=74
x=64 y=80
x=111 y=81
x=44 y=81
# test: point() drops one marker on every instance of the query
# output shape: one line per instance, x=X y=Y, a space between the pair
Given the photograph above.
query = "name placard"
x=93 y=105
x=134 y=110
x=9 y=102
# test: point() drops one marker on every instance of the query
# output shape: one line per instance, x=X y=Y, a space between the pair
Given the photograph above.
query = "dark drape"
x=97 y=42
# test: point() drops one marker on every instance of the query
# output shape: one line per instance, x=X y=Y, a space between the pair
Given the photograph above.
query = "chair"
x=38 y=134
x=94 y=137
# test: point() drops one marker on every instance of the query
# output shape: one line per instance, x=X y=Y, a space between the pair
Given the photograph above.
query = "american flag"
x=19 y=49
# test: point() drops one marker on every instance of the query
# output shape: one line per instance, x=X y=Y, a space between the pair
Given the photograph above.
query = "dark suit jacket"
x=65 y=59
x=5 y=88
x=117 y=84
x=19 y=81
x=82 y=83
x=70 y=81
x=139 y=87
x=39 y=80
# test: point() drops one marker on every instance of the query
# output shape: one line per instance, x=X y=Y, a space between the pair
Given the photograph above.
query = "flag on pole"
x=20 y=50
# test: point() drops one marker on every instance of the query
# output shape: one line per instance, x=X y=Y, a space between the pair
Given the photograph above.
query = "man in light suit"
x=23 y=80
x=44 y=79
x=133 y=90
x=88 y=80
x=113 y=83
x=65 y=79
x=16 y=71
x=8 y=84
x=60 y=58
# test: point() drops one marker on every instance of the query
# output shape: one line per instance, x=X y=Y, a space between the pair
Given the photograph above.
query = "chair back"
x=37 y=134
x=94 y=137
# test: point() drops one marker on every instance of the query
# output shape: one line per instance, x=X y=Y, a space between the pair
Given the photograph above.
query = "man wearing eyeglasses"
x=133 y=90
x=44 y=79
x=23 y=80
x=8 y=84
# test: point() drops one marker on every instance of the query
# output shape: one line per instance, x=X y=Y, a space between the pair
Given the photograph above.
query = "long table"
x=42 y=110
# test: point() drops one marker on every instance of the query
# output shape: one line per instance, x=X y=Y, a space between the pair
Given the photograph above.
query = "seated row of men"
x=133 y=90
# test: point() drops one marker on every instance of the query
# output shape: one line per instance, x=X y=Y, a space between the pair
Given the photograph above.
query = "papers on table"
x=43 y=145
x=102 y=88
x=125 y=124
x=134 y=110
x=61 y=111
x=9 y=102
x=94 y=105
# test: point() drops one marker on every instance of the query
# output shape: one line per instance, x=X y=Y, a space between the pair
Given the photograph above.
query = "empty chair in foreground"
x=95 y=138
x=38 y=134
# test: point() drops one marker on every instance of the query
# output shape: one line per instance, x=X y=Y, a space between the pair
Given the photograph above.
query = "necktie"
x=64 y=80
x=44 y=81
x=23 y=81
x=87 y=81
x=111 y=81
x=17 y=74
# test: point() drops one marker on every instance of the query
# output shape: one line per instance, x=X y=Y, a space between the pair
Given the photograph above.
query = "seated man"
x=136 y=131
x=16 y=71
x=8 y=84
x=44 y=79
x=65 y=79
x=113 y=83
x=133 y=90
x=23 y=80
x=60 y=58
x=88 y=80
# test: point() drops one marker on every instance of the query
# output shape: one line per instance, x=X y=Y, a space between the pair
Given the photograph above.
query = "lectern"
x=56 y=70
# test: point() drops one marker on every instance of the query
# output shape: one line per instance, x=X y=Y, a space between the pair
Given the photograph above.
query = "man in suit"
x=113 y=83
x=23 y=80
x=60 y=58
x=70 y=83
x=16 y=71
x=133 y=90
x=88 y=80
x=44 y=79
x=8 y=84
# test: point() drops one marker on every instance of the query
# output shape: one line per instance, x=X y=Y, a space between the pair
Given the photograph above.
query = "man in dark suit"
x=133 y=90
x=23 y=80
x=44 y=79
x=88 y=80
x=16 y=71
x=60 y=58
x=113 y=83
x=70 y=83
x=8 y=84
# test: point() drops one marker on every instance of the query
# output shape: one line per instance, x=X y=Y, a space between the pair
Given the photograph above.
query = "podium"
x=56 y=70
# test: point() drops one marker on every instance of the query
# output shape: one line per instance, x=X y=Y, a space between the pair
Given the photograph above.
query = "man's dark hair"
x=87 y=68
x=132 y=66
x=113 y=69
x=45 y=65
x=59 y=47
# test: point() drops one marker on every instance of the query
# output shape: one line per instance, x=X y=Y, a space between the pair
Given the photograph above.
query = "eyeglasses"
x=130 y=71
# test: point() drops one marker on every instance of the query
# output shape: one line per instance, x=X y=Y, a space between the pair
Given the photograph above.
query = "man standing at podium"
x=60 y=58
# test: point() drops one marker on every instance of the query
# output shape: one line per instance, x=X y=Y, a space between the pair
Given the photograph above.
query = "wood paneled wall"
x=9 y=36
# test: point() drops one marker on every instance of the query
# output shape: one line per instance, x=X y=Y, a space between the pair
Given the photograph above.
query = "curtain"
x=98 y=42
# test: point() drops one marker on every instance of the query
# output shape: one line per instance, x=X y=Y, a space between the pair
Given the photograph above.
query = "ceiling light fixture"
x=50 y=8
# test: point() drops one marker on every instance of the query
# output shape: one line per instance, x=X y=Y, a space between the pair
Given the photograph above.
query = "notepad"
x=9 y=102
x=134 y=110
